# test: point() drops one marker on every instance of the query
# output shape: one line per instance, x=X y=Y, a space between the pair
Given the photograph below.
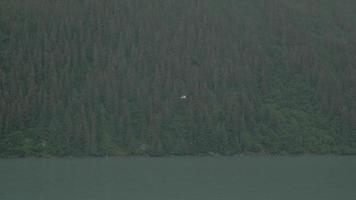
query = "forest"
x=177 y=77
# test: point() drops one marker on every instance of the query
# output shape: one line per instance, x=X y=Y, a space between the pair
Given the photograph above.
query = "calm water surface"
x=180 y=178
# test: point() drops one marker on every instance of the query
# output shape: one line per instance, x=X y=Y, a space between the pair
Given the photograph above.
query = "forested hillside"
x=89 y=77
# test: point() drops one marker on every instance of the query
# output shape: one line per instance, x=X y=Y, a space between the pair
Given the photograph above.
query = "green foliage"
x=108 y=148
x=105 y=78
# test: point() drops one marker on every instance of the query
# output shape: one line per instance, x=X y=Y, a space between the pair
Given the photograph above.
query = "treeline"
x=88 y=77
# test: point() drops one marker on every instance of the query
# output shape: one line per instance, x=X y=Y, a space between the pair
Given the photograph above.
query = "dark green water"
x=180 y=178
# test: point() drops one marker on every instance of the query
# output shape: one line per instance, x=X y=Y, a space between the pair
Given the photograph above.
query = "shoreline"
x=50 y=157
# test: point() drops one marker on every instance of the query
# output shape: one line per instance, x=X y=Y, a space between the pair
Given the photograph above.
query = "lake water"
x=180 y=178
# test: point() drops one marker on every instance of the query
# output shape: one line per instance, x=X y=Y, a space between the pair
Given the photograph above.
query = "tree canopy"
x=107 y=77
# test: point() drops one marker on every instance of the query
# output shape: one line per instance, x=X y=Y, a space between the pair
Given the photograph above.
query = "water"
x=179 y=178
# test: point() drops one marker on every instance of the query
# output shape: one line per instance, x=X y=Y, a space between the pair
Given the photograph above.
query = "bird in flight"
x=183 y=97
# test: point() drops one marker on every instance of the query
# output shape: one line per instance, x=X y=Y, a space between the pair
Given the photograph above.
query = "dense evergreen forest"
x=177 y=77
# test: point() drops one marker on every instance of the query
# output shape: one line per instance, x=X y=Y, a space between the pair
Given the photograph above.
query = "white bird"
x=183 y=97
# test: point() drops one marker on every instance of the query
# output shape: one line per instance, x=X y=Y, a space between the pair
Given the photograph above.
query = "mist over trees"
x=89 y=77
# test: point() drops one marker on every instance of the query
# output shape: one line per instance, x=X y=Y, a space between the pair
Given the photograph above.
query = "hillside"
x=106 y=77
